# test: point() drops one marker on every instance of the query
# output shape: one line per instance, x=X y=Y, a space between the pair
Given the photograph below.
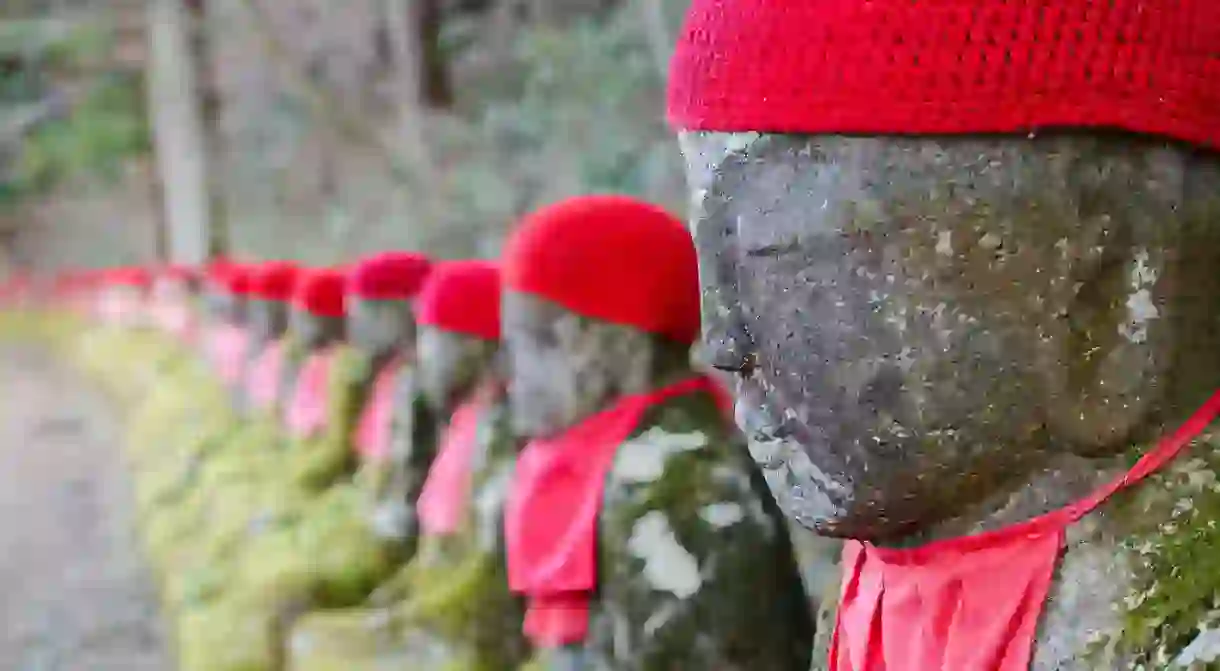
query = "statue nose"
x=730 y=349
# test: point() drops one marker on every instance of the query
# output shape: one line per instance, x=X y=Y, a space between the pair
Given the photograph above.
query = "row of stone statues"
x=959 y=260
x=448 y=465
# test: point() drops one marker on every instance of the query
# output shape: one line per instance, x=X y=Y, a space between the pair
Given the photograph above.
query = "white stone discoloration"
x=1205 y=649
x=722 y=515
x=944 y=243
x=658 y=619
x=1141 y=310
x=668 y=567
x=643 y=459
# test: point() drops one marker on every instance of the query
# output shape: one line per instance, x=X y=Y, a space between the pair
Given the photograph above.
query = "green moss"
x=1172 y=538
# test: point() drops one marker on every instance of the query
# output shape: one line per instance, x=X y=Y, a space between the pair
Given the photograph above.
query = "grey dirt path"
x=73 y=593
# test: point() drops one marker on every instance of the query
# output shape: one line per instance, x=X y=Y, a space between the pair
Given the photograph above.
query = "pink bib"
x=446 y=494
x=263 y=380
x=373 y=433
x=230 y=343
x=306 y=413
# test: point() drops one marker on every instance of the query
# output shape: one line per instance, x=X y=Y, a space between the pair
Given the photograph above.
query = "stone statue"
x=320 y=550
x=639 y=533
x=450 y=607
x=955 y=308
x=172 y=433
x=268 y=469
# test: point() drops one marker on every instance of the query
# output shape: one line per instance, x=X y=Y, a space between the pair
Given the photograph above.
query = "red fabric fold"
x=970 y=603
x=266 y=372
x=306 y=413
x=227 y=349
x=446 y=494
x=373 y=432
x=553 y=508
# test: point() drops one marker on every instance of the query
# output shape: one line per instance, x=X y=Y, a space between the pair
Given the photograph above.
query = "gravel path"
x=73 y=594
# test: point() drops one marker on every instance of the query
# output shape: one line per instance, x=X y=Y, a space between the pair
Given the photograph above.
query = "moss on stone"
x=1171 y=530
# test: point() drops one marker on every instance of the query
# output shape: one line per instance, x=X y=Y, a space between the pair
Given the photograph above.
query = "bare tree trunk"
x=415 y=28
x=174 y=109
x=209 y=101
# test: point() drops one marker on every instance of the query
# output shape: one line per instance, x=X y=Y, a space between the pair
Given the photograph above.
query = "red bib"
x=228 y=352
x=174 y=318
x=306 y=413
x=552 y=511
x=373 y=432
x=969 y=603
x=446 y=493
x=263 y=381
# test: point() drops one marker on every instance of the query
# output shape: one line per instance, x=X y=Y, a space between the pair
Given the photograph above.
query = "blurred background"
x=133 y=130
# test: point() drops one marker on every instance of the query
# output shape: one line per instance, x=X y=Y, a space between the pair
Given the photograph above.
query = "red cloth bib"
x=178 y=321
x=969 y=603
x=306 y=413
x=228 y=347
x=552 y=511
x=446 y=493
x=263 y=380
x=373 y=432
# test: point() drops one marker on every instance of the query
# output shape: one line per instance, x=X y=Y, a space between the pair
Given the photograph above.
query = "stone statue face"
x=450 y=364
x=380 y=327
x=917 y=324
x=268 y=319
x=314 y=332
x=564 y=367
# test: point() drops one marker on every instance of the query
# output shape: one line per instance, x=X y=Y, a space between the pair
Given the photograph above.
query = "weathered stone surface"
x=936 y=336
x=921 y=322
x=451 y=365
x=695 y=567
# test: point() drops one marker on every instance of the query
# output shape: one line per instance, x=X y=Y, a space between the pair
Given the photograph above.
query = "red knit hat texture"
x=611 y=258
x=389 y=276
x=130 y=276
x=216 y=269
x=320 y=292
x=275 y=281
x=177 y=272
x=238 y=279
x=967 y=66
x=462 y=297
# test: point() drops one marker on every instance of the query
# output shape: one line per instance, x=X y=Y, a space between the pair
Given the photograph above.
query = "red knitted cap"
x=238 y=279
x=130 y=276
x=462 y=297
x=899 y=66
x=320 y=292
x=216 y=269
x=389 y=276
x=611 y=258
x=275 y=281
x=177 y=272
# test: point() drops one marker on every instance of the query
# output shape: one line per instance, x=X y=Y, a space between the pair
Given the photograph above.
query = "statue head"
x=971 y=288
x=271 y=289
x=226 y=292
x=316 y=317
x=175 y=283
x=601 y=301
x=380 y=290
x=458 y=313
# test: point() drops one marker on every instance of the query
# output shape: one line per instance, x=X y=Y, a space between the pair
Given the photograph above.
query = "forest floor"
x=74 y=595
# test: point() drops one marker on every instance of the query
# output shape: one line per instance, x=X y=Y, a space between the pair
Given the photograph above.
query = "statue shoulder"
x=1167 y=535
x=686 y=460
